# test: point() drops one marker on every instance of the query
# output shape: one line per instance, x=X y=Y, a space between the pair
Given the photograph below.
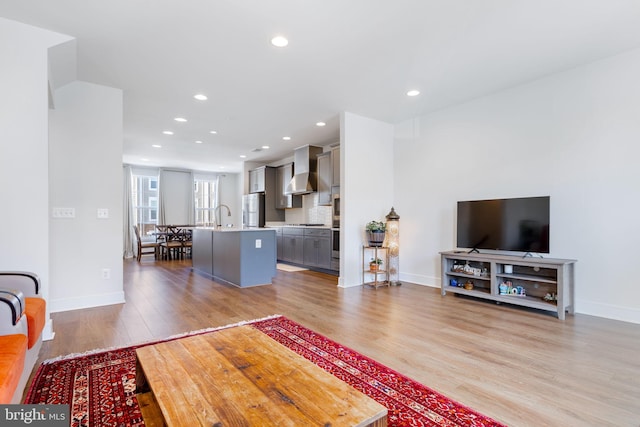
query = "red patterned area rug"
x=100 y=386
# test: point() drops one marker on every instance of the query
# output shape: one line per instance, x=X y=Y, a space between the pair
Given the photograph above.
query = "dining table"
x=175 y=241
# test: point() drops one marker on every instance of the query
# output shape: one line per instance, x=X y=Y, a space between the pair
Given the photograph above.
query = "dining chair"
x=171 y=241
x=187 y=241
x=144 y=247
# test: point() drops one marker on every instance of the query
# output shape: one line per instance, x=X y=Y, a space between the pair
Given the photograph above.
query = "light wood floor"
x=521 y=367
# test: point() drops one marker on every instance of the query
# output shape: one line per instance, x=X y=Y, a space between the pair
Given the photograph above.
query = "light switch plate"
x=258 y=243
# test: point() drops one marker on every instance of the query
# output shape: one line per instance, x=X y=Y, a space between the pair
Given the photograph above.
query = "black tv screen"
x=519 y=224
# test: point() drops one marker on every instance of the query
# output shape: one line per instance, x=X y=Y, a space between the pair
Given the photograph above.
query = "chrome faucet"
x=215 y=214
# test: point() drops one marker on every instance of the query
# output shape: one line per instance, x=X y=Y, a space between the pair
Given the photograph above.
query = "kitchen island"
x=240 y=256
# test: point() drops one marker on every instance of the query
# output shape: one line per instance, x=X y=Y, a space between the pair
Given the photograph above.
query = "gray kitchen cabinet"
x=234 y=255
x=325 y=177
x=293 y=244
x=284 y=174
x=335 y=166
x=263 y=180
x=317 y=248
x=257 y=180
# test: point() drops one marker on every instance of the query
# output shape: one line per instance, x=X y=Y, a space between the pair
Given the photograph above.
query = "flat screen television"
x=518 y=224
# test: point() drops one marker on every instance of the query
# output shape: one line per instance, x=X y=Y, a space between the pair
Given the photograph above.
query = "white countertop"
x=299 y=226
x=232 y=229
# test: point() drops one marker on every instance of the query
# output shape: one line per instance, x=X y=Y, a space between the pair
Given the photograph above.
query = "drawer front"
x=292 y=231
x=315 y=232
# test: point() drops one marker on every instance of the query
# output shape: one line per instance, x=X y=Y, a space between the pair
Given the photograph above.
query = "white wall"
x=85 y=161
x=573 y=136
x=24 y=193
x=366 y=190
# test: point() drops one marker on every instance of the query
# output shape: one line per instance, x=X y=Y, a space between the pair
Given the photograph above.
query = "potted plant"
x=374 y=264
x=375 y=232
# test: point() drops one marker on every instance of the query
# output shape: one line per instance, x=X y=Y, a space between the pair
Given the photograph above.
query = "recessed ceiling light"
x=320 y=124
x=413 y=93
x=200 y=97
x=242 y=156
x=279 y=41
x=180 y=119
x=265 y=147
x=156 y=146
x=214 y=132
x=286 y=138
x=145 y=160
x=198 y=142
x=167 y=132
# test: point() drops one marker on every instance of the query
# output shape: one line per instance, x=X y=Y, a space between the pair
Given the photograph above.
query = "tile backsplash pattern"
x=310 y=213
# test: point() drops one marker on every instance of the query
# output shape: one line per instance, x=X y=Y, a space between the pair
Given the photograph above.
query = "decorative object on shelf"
x=550 y=297
x=375 y=264
x=504 y=288
x=507 y=288
x=453 y=282
x=393 y=243
x=376 y=233
x=508 y=269
x=467 y=269
x=472 y=270
x=468 y=285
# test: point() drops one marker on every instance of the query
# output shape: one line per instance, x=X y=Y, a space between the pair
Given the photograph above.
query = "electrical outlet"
x=103 y=213
x=106 y=273
x=258 y=243
x=63 y=213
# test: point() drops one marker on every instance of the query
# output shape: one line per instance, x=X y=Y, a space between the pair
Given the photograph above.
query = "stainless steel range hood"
x=305 y=170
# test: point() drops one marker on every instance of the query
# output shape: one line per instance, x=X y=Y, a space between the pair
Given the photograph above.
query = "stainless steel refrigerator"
x=253 y=210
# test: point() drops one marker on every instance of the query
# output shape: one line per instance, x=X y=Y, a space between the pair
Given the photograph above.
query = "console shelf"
x=530 y=279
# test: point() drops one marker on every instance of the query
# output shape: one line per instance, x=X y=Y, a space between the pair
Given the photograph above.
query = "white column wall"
x=573 y=136
x=86 y=174
x=24 y=193
x=366 y=187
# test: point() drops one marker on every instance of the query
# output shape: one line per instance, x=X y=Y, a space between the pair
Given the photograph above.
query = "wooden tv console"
x=540 y=283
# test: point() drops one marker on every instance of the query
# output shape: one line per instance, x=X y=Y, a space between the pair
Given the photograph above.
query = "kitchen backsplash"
x=310 y=213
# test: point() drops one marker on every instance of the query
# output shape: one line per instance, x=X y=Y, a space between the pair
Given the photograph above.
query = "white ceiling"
x=360 y=56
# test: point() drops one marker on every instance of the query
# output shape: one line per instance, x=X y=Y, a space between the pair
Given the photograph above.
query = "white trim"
x=66 y=304
x=47 y=332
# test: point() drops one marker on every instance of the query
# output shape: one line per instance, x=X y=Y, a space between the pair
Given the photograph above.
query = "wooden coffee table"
x=241 y=377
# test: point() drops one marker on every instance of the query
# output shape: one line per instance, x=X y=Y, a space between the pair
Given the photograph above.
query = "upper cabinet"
x=335 y=165
x=325 y=176
x=284 y=174
x=257 y=180
x=264 y=180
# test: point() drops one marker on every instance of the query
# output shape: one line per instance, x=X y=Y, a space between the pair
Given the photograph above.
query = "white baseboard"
x=420 y=279
x=47 y=332
x=66 y=304
x=608 y=311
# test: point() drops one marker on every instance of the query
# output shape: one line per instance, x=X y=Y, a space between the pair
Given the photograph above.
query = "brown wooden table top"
x=241 y=377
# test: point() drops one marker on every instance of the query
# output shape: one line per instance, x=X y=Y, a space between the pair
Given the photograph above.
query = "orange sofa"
x=13 y=352
x=22 y=320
